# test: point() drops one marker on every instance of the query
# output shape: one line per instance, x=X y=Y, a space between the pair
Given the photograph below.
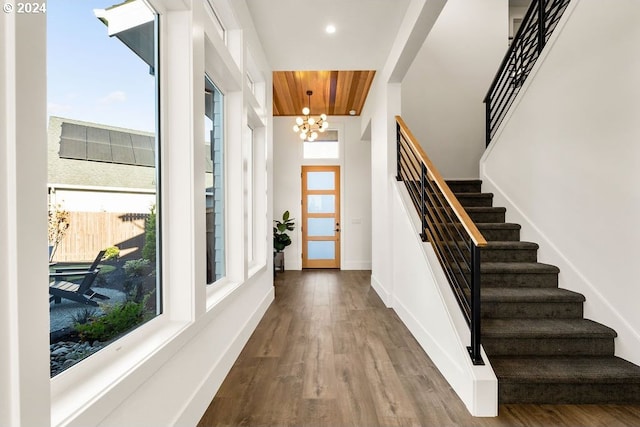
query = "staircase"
x=541 y=347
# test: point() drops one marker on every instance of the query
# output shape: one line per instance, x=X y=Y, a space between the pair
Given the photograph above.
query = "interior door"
x=320 y=216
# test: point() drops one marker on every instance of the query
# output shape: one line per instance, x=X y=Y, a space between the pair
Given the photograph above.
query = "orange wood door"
x=320 y=216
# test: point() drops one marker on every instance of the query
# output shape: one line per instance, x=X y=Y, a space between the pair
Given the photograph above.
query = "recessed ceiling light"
x=330 y=29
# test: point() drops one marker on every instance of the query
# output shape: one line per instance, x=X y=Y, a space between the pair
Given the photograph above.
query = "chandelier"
x=307 y=126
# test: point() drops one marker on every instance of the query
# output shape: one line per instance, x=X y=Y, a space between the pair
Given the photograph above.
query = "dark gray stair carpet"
x=567 y=380
x=475 y=199
x=486 y=213
x=546 y=337
x=499 y=231
x=539 y=344
x=524 y=274
x=523 y=303
x=510 y=251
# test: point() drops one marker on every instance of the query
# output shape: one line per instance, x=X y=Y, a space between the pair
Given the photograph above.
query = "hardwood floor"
x=328 y=353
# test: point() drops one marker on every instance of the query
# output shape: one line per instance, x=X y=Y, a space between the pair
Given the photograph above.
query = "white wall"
x=443 y=90
x=567 y=161
x=403 y=273
x=355 y=173
x=378 y=123
x=166 y=371
x=423 y=299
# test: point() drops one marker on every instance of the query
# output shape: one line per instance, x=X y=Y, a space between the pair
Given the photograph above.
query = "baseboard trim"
x=199 y=401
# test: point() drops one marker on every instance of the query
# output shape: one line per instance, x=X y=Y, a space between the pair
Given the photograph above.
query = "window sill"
x=113 y=372
x=255 y=269
x=218 y=292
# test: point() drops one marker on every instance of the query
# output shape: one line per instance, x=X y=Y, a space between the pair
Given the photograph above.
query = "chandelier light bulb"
x=308 y=127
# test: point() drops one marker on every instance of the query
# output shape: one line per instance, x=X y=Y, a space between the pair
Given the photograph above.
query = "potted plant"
x=280 y=237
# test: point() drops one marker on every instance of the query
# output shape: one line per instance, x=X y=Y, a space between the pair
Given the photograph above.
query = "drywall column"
x=383 y=104
x=24 y=354
x=386 y=104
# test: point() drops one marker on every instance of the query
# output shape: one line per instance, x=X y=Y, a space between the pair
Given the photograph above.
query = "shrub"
x=112 y=252
x=84 y=315
x=118 y=319
x=136 y=267
x=149 y=248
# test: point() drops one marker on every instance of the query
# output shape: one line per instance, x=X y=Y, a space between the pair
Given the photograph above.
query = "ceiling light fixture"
x=307 y=126
x=330 y=29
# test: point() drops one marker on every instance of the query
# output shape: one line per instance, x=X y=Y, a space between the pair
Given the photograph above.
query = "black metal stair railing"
x=446 y=225
x=536 y=28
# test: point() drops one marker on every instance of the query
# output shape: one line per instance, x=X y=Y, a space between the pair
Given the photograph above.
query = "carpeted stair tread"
x=499 y=231
x=486 y=209
x=475 y=199
x=464 y=185
x=574 y=369
x=497 y=226
x=518 y=267
x=551 y=328
x=547 y=295
x=486 y=214
x=512 y=245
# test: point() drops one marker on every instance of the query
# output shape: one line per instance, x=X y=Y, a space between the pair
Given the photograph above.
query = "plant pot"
x=278 y=261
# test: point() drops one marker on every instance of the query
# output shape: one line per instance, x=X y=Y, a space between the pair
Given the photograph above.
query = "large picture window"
x=103 y=151
x=214 y=181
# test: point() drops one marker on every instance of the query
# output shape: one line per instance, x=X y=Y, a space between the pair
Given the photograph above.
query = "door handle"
x=337 y=230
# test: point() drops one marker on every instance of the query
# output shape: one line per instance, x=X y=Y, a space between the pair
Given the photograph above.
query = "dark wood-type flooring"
x=328 y=353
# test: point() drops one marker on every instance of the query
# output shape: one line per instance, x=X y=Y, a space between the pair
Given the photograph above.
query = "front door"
x=320 y=216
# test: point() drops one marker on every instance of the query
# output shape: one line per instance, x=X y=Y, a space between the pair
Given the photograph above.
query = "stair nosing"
x=493 y=267
x=626 y=372
x=555 y=329
x=522 y=294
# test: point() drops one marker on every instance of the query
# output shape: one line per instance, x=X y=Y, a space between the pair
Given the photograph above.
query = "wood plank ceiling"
x=335 y=93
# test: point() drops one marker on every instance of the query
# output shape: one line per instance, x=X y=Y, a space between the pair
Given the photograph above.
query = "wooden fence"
x=89 y=232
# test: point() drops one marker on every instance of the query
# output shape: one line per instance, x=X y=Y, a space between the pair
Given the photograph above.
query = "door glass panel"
x=321 y=203
x=321 y=181
x=322 y=250
x=320 y=227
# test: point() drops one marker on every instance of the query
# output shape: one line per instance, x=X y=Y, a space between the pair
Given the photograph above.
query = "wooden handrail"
x=471 y=229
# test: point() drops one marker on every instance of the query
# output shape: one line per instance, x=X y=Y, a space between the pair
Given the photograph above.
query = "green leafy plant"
x=136 y=267
x=280 y=237
x=112 y=252
x=85 y=315
x=134 y=284
x=149 y=248
x=118 y=319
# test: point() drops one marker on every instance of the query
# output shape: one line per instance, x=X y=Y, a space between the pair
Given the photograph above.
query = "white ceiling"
x=292 y=32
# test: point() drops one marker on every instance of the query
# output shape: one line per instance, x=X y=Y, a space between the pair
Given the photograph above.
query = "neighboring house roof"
x=94 y=155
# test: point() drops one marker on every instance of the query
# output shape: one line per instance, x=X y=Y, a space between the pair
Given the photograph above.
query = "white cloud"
x=113 y=97
x=58 y=109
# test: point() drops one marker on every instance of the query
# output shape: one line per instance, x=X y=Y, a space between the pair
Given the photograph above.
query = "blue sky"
x=91 y=76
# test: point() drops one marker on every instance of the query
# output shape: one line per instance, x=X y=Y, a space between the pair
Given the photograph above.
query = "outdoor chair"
x=60 y=288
